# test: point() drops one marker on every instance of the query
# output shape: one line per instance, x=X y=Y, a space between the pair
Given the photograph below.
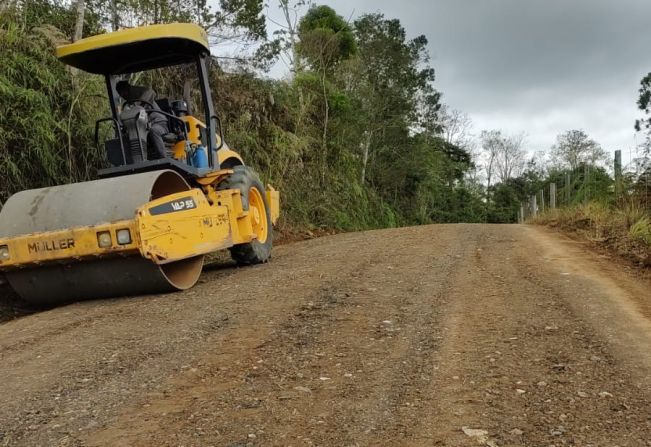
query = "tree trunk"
x=365 y=147
x=79 y=24
x=115 y=19
x=187 y=95
x=80 y=10
x=294 y=59
x=326 y=118
x=489 y=175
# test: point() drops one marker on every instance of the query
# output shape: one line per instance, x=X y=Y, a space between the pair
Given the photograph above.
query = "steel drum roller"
x=86 y=204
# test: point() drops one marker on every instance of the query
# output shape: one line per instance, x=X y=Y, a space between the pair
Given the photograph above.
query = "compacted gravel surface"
x=442 y=335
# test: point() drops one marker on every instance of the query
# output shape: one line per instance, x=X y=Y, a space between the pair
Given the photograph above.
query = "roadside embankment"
x=625 y=230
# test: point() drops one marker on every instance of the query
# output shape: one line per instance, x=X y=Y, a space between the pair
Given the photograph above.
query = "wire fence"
x=589 y=183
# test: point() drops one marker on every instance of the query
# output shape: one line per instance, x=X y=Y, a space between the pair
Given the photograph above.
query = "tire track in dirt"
x=70 y=381
x=392 y=337
x=338 y=372
x=522 y=365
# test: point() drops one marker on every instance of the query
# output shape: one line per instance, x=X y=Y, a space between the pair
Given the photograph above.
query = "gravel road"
x=442 y=335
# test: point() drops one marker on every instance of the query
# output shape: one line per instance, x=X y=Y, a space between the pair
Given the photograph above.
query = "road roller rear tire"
x=254 y=200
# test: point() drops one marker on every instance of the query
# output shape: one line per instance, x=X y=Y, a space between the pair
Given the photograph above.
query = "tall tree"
x=456 y=127
x=574 y=148
x=241 y=20
x=644 y=104
x=392 y=84
x=510 y=159
x=643 y=162
x=233 y=21
x=283 y=43
x=491 y=143
x=326 y=39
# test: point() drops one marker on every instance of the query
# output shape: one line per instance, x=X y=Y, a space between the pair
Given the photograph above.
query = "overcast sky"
x=534 y=66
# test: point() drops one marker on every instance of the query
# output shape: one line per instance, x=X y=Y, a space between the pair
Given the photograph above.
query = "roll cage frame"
x=212 y=120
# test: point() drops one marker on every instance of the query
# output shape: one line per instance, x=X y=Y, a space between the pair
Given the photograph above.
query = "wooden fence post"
x=552 y=196
x=534 y=206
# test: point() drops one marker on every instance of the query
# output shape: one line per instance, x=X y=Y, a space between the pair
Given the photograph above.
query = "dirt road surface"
x=445 y=335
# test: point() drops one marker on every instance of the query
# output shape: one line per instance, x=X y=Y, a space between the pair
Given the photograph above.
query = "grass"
x=641 y=230
x=624 y=229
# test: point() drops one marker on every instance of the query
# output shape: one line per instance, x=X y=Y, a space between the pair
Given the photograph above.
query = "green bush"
x=46 y=124
x=279 y=127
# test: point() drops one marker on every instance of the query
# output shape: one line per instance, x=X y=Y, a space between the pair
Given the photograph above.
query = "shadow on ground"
x=12 y=307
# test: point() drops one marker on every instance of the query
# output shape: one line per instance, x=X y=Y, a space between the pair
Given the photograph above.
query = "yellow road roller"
x=153 y=214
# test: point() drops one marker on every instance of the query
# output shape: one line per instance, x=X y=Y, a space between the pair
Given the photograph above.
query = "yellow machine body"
x=146 y=224
x=136 y=49
x=193 y=127
x=174 y=227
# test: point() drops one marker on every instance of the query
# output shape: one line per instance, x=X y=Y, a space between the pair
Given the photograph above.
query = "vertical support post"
x=552 y=196
x=542 y=200
x=209 y=109
x=568 y=190
x=521 y=213
x=618 y=173
x=586 y=183
x=114 y=102
x=113 y=98
x=534 y=206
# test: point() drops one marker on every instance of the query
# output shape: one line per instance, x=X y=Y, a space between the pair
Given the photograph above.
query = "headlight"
x=124 y=236
x=4 y=253
x=104 y=239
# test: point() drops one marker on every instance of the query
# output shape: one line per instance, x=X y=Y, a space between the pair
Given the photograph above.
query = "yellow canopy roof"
x=136 y=49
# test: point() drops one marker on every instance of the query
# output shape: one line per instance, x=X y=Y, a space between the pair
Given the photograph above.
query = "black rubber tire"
x=254 y=252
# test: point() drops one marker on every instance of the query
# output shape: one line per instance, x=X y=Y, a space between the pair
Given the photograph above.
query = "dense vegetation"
x=352 y=137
